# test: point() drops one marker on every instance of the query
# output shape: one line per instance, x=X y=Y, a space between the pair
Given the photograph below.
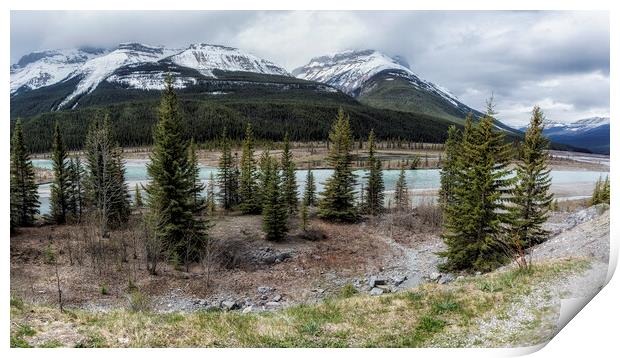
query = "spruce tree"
x=450 y=169
x=76 y=189
x=531 y=197
x=197 y=186
x=303 y=215
x=24 y=196
x=289 y=182
x=138 y=203
x=210 y=205
x=310 y=190
x=274 y=208
x=338 y=198
x=171 y=192
x=226 y=173
x=401 y=192
x=263 y=173
x=106 y=190
x=59 y=198
x=248 y=187
x=473 y=227
x=373 y=200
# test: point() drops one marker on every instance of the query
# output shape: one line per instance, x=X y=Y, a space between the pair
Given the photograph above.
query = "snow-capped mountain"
x=43 y=68
x=132 y=66
x=95 y=70
x=382 y=81
x=589 y=133
x=207 y=58
x=350 y=70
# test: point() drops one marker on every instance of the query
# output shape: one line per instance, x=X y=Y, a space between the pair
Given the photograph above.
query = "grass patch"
x=424 y=316
x=348 y=291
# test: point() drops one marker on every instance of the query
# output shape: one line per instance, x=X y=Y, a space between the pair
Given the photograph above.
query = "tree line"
x=490 y=211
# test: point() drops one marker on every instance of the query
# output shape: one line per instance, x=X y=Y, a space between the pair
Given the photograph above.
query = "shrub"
x=139 y=302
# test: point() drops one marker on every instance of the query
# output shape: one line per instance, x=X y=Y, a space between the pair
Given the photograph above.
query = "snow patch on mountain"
x=98 y=69
x=581 y=125
x=350 y=70
x=206 y=58
x=150 y=80
x=44 y=68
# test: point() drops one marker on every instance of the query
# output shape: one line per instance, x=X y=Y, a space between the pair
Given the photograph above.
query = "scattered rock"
x=376 y=291
x=263 y=290
x=272 y=304
x=229 y=305
x=384 y=288
x=375 y=281
x=434 y=276
x=459 y=278
x=398 y=280
x=446 y=278
x=277 y=298
x=248 y=309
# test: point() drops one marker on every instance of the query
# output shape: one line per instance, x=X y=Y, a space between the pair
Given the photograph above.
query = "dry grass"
x=409 y=319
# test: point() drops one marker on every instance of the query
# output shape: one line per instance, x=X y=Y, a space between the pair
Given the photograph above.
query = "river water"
x=421 y=182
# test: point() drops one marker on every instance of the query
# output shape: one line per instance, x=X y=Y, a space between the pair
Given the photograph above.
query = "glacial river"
x=421 y=182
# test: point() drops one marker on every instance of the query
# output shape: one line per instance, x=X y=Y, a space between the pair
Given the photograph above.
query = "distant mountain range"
x=379 y=92
x=589 y=133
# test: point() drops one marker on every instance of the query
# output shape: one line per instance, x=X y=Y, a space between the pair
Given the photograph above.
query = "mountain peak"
x=349 y=70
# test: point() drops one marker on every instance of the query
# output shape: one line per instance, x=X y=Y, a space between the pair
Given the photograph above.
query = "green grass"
x=420 y=317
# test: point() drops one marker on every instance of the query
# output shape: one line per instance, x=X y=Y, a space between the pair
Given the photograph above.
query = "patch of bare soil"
x=246 y=270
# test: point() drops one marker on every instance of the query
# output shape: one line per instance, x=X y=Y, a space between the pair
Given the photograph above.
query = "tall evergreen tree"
x=138 y=203
x=310 y=190
x=76 y=189
x=59 y=198
x=171 y=191
x=289 y=182
x=227 y=175
x=531 y=196
x=24 y=195
x=373 y=200
x=450 y=169
x=473 y=227
x=274 y=208
x=248 y=187
x=211 y=195
x=106 y=190
x=401 y=192
x=338 y=198
x=197 y=187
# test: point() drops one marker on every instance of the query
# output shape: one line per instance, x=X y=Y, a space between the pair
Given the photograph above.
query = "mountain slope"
x=386 y=82
x=589 y=133
x=44 y=68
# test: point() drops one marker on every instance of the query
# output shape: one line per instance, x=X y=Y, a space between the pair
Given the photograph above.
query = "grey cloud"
x=558 y=59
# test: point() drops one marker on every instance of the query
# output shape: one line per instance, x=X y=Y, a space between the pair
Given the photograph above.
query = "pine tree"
x=248 y=187
x=76 y=189
x=310 y=190
x=226 y=173
x=303 y=215
x=274 y=208
x=596 y=193
x=24 y=195
x=373 y=200
x=450 y=169
x=289 y=183
x=106 y=190
x=531 y=197
x=171 y=192
x=263 y=173
x=606 y=192
x=197 y=187
x=473 y=227
x=60 y=184
x=401 y=193
x=211 y=195
x=138 y=197
x=338 y=198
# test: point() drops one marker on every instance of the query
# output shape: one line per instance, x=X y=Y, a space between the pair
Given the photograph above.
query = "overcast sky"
x=558 y=60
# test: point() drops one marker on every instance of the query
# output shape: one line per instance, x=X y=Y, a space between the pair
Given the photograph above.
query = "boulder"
x=263 y=290
x=376 y=291
x=398 y=280
x=229 y=305
x=446 y=278
x=434 y=276
x=375 y=281
x=272 y=304
x=277 y=298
